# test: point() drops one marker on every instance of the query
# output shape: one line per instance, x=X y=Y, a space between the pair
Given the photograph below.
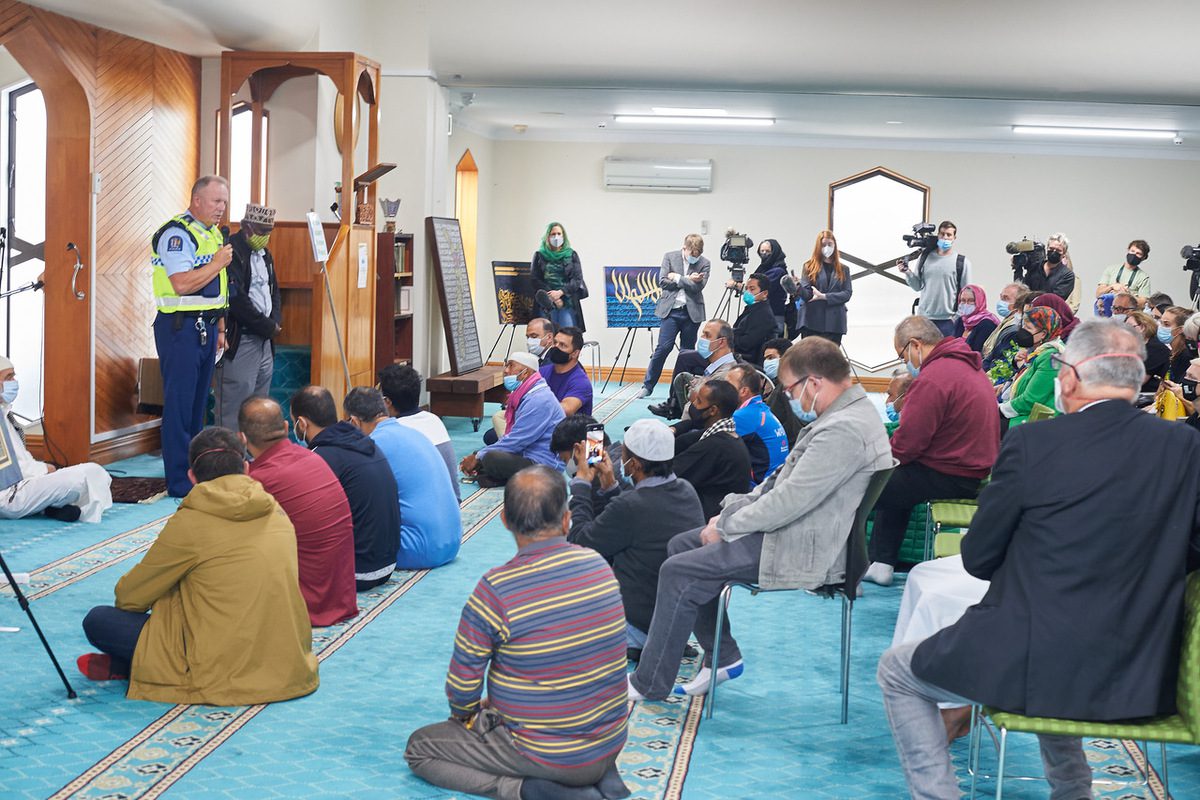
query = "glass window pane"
x=239 y=162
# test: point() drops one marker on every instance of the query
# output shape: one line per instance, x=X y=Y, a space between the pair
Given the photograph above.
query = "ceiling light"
x=683 y=120
x=690 y=112
x=894 y=122
x=1116 y=133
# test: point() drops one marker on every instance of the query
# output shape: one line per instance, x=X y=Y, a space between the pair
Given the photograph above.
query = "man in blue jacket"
x=756 y=424
x=365 y=476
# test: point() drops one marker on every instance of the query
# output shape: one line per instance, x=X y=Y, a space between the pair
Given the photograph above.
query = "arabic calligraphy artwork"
x=454 y=292
x=630 y=294
x=514 y=292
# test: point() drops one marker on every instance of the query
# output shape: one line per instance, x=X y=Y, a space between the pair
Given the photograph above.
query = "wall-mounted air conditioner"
x=658 y=174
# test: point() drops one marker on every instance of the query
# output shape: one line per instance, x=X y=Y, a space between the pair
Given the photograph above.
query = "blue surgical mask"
x=1002 y=309
x=771 y=367
x=1119 y=317
x=945 y=244
x=892 y=414
x=912 y=370
x=511 y=382
x=966 y=309
x=9 y=394
x=534 y=345
x=1165 y=334
x=693 y=259
x=704 y=347
x=805 y=416
x=556 y=240
x=748 y=297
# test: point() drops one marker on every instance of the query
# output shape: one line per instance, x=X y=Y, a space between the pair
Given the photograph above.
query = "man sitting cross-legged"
x=314 y=501
x=553 y=721
x=789 y=532
x=229 y=626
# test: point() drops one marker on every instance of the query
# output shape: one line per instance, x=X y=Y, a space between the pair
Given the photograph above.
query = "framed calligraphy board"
x=630 y=294
x=454 y=293
x=514 y=292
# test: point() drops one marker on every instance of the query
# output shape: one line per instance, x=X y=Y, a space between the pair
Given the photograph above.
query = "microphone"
x=37 y=285
x=224 y=233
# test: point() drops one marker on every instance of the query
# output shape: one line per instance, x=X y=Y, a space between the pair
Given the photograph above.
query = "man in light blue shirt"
x=430 y=523
x=712 y=358
x=756 y=424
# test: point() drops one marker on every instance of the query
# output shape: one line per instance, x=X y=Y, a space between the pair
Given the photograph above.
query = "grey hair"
x=919 y=328
x=1191 y=328
x=205 y=180
x=1096 y=338
x=1059 y=237
x=365 y=402
x=1020 y=287
x=535 y=500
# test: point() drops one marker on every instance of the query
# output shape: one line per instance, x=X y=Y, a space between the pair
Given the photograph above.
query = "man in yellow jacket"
x=228 y=625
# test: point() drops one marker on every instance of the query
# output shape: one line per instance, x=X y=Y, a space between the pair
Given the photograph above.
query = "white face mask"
x=827 y=251
x=556 y=240
x=534 y=345
x=1058 y=404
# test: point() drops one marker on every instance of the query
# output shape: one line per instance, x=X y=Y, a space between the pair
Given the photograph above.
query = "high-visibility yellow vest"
x=207 y=243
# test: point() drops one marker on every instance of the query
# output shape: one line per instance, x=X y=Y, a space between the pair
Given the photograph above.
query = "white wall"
x=782 y=193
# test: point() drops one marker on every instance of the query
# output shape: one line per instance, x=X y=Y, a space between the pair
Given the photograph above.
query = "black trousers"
x=909 y=485
x=836 y=338
x=499 y=466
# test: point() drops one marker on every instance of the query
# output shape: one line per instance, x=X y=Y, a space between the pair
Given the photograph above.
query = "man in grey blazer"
x=682 y=276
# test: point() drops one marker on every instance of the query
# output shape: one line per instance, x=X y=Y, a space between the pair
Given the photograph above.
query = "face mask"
x=258 y=242
x=693 y=259
x=9 y=394
x=571 y=467
x=1053 y=256
x=696 y=414
x=704 y=347
x=556 y=356
x=1119 y=317
x=1023 y=338
x=1132 y=260
x=827 y=251
x=299 y=435
x=892 y=414
x=945 y=244
x=534 y=346
x=511 y=382
x=1165 y=334
x=1189 y=389
x=771 y=367
x=913 y=370
x=556 y=240
x=764 y=255
x=798 y=408
x=966 y=309
x=1002 y=308
x=748 y=297
x=1058 y=404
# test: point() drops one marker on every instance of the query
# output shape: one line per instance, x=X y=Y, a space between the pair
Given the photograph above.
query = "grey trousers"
x=484 y=760
x=920 y=735
x=689 y=584
x=247 y=374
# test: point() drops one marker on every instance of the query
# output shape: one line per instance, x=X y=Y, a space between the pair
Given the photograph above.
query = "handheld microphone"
x=37 y=285
x=224 y=233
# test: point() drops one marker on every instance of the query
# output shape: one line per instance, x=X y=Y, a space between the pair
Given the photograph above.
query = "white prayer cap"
x=651 y=440
x=524 y=359
x=260 y=216
x=5 y=364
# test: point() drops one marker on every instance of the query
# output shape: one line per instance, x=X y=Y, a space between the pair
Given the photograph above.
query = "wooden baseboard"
x=127 y=444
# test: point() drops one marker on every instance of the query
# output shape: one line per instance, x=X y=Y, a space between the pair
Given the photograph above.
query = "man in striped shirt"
x=548 y=628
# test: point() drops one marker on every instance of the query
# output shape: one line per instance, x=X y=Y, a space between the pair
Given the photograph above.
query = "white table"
x=936 y=594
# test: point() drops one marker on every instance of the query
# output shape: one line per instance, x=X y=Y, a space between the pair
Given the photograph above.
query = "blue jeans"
x=116 y=632
x=677 y=323
x=920 y=735
x=563 y=317
x=634 y=637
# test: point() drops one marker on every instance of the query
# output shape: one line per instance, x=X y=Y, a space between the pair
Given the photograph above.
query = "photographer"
x=939 y=277
x=1129 y=276
x=1055 y=275
x=682 y=277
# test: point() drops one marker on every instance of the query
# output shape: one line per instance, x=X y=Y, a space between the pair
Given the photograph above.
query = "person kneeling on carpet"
x=228 y=624
x=789 y=532
x=28 y=486
x=534 y=737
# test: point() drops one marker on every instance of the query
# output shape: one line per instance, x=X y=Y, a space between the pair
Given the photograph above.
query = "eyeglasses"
x=1059 y=362
x=788 y=389
x=1123 y=309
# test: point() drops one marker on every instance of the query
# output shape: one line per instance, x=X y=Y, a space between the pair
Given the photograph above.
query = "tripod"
x=628 y=340
x=24 y=603
x=500 y=336
x=726 y=303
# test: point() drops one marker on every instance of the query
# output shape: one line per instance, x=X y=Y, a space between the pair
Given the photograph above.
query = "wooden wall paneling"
x=360 y=318
x=296 y=320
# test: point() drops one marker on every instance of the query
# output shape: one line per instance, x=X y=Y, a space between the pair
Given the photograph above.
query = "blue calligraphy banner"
x=630 y=294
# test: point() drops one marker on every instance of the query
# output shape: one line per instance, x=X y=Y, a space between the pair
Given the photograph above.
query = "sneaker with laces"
x=700 y=683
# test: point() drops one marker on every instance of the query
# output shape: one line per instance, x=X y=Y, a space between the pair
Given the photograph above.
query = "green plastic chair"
x=941 y=514
x=1180 y=728
x=856 y=565
x=947 y=544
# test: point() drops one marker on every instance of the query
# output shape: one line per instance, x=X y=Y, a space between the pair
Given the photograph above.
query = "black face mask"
x=1189 y=389
x=1023 y=338
x=556 y=356
x=697 y=415
x=1053 y=256
x=1132 y=260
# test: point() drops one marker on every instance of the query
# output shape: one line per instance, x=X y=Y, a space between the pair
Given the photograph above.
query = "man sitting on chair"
x=712 y=358
x=789 y=532
x=81 y=492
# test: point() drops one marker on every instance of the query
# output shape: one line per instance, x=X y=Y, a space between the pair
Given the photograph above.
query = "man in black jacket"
x=254 y=313
x=756 y=324
x=366 y=477
x=708 y=452
x=1072 y=572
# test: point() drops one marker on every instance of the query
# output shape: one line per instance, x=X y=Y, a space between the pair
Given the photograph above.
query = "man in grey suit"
x=682 y=276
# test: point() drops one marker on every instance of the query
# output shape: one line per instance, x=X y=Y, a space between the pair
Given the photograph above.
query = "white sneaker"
x=879 y=573
x=634 y=695
x=699 y=684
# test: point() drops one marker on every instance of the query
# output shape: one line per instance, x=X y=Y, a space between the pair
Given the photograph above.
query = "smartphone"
x=595 y=444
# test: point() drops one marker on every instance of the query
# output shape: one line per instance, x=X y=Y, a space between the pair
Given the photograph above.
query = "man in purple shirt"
x=566 y=378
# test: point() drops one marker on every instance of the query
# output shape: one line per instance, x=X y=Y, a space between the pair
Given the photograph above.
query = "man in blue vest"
x=188 y=260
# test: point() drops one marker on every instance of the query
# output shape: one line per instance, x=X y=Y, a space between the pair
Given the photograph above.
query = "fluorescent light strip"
x=665 y=120
x=690 y=112
x=1117 y=133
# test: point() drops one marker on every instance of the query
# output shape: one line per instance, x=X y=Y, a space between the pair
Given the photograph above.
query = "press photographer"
x=1191 y=256
x=1043 y=267
x=939 y=275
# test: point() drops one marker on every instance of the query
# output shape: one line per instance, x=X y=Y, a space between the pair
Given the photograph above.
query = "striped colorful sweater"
x=549 y=629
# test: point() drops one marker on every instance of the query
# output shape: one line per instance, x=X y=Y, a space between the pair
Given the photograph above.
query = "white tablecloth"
x=936 y=594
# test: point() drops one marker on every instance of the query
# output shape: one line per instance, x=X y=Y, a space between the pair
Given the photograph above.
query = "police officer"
x=188 y=259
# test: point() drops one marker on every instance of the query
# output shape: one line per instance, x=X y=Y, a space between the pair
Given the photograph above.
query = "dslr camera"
x=1191 y=256
x=923 y=237
x=1028 y=256
x=736 y=251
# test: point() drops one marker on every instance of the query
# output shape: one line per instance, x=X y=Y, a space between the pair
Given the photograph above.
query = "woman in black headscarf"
x=773 y=264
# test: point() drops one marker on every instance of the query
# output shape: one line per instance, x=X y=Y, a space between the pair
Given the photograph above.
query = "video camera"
x=1191 y=256
x=923 y=237
x=1028 y=256
x=736 y=251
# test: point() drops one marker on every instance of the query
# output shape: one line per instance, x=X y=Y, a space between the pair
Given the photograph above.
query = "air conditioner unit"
x=658 y=174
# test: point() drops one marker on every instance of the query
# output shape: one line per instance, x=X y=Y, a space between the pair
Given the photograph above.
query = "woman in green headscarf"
x=558 y=278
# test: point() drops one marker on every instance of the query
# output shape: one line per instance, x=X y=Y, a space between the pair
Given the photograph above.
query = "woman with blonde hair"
x=825 y=289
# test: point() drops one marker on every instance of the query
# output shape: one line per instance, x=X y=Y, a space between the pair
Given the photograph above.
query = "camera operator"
x=1128 y=276
x=1055 y=275
x=939 y=277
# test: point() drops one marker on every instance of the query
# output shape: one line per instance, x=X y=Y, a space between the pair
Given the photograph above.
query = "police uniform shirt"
x=176 y=251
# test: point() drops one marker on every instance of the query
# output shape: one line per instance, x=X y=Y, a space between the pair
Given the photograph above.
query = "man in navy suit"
x=1087 y=561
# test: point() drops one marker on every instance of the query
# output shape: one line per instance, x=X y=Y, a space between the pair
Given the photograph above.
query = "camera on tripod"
x=1191 y=256
x=923 y=237
x=736 y=251
x=1028 y=256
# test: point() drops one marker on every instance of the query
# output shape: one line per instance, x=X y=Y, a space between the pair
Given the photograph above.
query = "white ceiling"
x=956 y=74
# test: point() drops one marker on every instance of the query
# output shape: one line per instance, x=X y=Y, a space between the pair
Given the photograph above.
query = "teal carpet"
x=774 y=736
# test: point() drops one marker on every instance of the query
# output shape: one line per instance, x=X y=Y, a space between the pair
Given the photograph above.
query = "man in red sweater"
x=309 y=493
x=948 y=439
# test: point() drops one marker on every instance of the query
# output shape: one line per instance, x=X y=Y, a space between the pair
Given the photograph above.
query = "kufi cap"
x=651 y=440
x=525 y=359
x=260 y=216
x=5 y=364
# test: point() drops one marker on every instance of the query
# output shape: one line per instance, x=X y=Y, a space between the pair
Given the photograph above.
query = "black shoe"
x=690 y=652
x=633 y=654
x=665 y=410
x=542 y=789
x=63 y=513
x=611 y=786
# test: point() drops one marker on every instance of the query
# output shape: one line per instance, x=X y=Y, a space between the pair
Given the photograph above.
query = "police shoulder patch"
x=175 y=244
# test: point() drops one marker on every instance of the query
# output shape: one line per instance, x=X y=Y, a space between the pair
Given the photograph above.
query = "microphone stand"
x=29 y=287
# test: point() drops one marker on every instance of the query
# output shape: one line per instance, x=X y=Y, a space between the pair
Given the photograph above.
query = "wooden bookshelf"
x=394 y=321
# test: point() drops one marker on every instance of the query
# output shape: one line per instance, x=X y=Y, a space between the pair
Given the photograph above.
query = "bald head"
x=261 y=423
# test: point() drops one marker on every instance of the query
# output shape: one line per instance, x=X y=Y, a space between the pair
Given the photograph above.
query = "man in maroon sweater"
x=309 y=493
x=948 y=439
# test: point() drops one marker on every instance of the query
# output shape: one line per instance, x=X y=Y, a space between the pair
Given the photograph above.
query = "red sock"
x=97 y=667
